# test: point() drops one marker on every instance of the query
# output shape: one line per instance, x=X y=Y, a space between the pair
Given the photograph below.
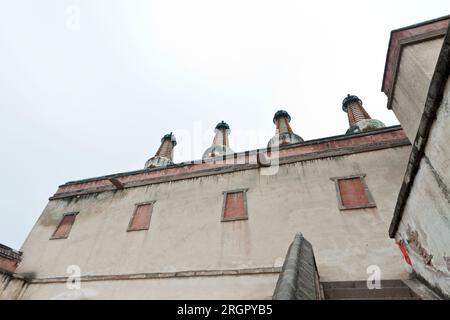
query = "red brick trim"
x=8 y=265
x=310 y=150
x=9 y=259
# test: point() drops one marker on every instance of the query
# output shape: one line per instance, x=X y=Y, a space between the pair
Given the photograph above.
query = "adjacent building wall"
x=421 y=95
x=425 y=224
x=410 y=64
x=413 y=81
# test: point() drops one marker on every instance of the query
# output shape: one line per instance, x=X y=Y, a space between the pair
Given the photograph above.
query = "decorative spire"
x=283 y=133
x=164 y=155
x=358 y=118
x=220 y=145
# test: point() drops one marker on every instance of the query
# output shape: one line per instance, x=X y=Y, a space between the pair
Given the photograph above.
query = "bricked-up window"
x=141 y=217
x=235 y=205
x=353 y=193
x=65 y=225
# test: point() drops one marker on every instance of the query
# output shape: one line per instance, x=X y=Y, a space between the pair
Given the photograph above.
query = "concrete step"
x=421 y=290
x=362 y=284
x=407 y=298
x=364 y=293
x=390 y=289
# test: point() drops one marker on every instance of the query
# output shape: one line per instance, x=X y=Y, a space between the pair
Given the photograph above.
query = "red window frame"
x=227 y=199
x=364 y=201
x=139 y=209
x=64 y=227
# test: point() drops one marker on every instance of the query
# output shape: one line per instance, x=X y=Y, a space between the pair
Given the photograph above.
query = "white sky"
x=83 y=102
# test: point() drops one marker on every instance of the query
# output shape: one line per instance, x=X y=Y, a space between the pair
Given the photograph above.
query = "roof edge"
x=237 y=154
x=423 y=23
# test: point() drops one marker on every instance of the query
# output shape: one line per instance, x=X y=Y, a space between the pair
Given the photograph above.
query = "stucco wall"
x=426 y=218
x=11 y=286
x=259 y=287
x=415 y=71
x=186 y=232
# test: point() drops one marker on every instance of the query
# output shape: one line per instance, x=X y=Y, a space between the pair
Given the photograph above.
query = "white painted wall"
x=186 y=232
x=415 y=71
x=428 y=207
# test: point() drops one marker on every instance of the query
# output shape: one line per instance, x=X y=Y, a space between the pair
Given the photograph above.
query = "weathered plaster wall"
x=11 y=286
x=415 y=71
x=437 y=148
x=225 y=287
x=425 y=224
x=186 y=232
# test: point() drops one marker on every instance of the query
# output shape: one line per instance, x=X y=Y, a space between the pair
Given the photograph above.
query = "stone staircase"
x=299 y=280
x=357 y=290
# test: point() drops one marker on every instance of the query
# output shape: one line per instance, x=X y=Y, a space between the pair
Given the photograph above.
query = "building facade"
x=222 y=227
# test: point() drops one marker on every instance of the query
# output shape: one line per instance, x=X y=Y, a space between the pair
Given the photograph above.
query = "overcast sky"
x=88 y=88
